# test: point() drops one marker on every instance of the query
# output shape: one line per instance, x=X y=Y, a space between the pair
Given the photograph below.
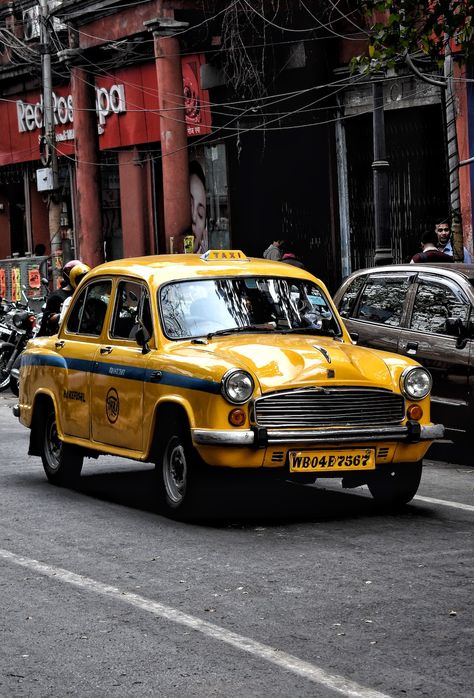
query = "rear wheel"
x=179 y=471
x=62 y=462
x=396 y=484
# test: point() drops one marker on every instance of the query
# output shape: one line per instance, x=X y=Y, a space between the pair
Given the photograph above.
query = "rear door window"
x=383 y=298
x=90 y=308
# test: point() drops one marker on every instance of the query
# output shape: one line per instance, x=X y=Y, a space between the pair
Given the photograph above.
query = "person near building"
x=290 y=257
x=273 y=251
x=50 y=320
x=76 y=275
x=444 y=242
x=430 y=252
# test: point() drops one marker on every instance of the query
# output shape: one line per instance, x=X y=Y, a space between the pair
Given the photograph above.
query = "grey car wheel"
x=179 y=472
x=62 y=462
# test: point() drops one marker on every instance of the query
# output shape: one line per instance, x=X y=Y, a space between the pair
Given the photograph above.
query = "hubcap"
x=53 y=445
x=175 y=473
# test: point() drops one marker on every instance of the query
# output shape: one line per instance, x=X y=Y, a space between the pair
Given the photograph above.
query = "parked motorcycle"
x=23 y=329
x=21 y=324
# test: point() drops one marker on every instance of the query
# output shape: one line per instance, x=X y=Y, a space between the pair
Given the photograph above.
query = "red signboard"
x=127 y=112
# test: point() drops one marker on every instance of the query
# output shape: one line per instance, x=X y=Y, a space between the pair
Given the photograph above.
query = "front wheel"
x=62 y=462
x=395 y=485
x=5 y=355
x=179 y=472
x=15 y=377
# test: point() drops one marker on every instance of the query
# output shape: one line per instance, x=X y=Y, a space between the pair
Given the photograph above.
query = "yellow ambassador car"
x=199 y=363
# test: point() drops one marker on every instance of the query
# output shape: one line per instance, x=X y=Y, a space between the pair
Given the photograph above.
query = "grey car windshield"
x=212 y=307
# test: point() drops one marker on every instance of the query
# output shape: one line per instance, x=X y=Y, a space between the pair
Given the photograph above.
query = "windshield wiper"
x=244 y=328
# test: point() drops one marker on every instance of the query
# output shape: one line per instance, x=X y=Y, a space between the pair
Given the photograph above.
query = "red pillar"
x=132 y=204
x=174 y=140
x=88 y=200
x=462 y=128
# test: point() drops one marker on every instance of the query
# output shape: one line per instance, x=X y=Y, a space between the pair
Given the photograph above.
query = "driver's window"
x=132 y=309
x=89 y=309
x=437 y=307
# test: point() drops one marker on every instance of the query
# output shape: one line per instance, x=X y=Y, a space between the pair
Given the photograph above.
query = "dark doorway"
x=281 y=190
x=419 y=188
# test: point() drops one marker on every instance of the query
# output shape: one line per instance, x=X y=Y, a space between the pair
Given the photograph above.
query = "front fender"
x=166 y=402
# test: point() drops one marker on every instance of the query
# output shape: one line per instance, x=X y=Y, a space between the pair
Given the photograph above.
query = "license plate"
x=331 y=461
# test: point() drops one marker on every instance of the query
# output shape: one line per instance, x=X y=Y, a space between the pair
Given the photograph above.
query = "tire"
x=179 y=472
x=15 y=377
x=4 y=359
x=395 y=485
x=62 y=462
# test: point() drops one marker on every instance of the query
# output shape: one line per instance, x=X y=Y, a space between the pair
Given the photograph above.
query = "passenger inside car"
x=93 y=316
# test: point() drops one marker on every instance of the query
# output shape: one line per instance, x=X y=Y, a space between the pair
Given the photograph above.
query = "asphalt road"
x=296 y=592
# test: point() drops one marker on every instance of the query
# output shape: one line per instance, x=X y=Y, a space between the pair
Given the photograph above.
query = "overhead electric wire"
x=328 y=27
x=210 y=138
x=282 y=28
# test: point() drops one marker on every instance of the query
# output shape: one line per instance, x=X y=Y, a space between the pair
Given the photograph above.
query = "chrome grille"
x=327 y=407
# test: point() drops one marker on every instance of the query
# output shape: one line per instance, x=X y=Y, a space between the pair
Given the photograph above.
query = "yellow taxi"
x=198 y=363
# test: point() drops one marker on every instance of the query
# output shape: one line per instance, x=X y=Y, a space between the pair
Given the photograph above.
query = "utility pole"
x=49 y=154
x=380 y=167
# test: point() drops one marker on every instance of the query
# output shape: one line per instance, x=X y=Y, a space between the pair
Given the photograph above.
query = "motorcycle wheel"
x=4 y=359
x=15 y=377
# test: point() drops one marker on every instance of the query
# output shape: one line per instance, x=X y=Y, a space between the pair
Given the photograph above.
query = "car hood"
x=289 y=361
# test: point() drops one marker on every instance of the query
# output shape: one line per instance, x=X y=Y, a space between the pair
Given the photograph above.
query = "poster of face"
x=208 y=195
x=197 y=190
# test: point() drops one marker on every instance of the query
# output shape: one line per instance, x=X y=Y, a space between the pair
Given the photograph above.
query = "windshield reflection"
x=222 y=306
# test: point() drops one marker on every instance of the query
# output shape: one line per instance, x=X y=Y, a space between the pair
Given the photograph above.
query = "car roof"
x=448 y=269
x=171 y=267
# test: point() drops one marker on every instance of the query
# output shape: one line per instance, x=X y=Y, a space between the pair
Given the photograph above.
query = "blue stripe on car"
x=121 y=371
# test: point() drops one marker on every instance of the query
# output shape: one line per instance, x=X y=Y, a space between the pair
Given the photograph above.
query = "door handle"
x=60 y=344
x=105 y=350
x=412 y=347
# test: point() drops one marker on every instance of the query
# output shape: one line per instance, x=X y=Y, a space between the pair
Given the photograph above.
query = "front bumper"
x=412 y=432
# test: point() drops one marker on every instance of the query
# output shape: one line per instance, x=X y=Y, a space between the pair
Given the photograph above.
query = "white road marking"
x=283 y=660
x=445 y=503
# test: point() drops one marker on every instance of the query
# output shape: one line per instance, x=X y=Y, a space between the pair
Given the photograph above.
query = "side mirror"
x=459 y=329
x=354 y=336
x=142 y=337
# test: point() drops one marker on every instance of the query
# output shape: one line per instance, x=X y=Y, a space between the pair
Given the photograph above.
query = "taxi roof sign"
x=221 y=255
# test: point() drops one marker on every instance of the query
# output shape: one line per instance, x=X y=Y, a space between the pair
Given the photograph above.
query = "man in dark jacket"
x=289 y=256
x=431 y=254
x=52 y=310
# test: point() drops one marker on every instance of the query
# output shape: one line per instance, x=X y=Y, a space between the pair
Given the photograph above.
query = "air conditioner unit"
x=31 y=23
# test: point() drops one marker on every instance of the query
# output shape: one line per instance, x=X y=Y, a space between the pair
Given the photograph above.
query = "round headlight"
x=415 y=382
x=237 y=386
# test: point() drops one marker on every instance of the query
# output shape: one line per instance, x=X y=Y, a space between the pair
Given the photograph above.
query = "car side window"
x=348 y=300
x=89 y=309
x=132 y=309
x=382 y=299
x=437 y=307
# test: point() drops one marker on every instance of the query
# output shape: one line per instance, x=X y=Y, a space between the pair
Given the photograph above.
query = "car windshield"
x=211 y=307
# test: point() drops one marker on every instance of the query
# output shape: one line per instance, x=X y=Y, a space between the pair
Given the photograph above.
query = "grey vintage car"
x=425 y=311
